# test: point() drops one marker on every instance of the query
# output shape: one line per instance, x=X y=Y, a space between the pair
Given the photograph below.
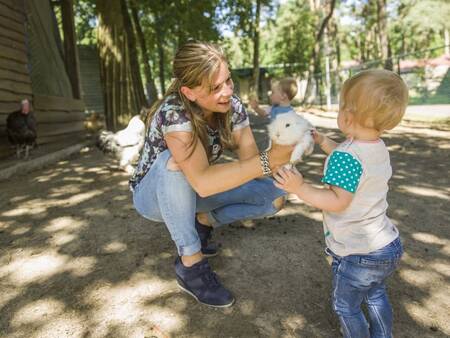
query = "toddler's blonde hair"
x=287 y=86
x=376 y=98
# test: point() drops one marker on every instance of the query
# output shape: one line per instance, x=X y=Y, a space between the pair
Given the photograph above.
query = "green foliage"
x=85 y=21
x=288 y=29
x=289 y=39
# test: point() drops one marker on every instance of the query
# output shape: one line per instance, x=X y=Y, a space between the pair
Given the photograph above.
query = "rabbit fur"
x=289 y=129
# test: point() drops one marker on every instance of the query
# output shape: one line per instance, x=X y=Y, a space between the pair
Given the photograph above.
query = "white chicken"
x=125 y=144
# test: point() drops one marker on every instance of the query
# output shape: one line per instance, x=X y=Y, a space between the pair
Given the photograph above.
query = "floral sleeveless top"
x=171 y=116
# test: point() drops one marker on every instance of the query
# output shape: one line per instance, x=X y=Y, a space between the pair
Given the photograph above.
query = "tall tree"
x=324 y=14
x=133 y=57
x=243 y=18
x=383 y=34
x=255 y=80
x=122 y=97
x=150 y=83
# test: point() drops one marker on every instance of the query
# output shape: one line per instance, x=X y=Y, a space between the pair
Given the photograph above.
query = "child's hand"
x=318 y=137
x=289 y=180
x=254 y=103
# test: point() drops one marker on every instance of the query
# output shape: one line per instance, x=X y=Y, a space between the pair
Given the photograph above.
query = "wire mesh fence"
x=428 y=78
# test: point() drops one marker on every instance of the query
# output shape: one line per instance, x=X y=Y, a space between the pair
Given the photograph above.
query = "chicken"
x=94 y=122
x=125 y=144
x=21 y=129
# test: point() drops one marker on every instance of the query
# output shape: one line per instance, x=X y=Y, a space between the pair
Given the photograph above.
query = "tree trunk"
x=115 y=66
x=160 y=46
x=314 y=67
x=255 y=80
x=135 y=71
x=150 y=82
x=327 y=69
x=383 y=37
x=447 y=41
x=71 y=59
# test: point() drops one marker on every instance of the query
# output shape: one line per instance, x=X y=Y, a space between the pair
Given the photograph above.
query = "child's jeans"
x=361 y=278
x=166 y=196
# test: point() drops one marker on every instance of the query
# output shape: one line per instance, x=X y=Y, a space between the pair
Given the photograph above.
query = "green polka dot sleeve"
x=343 y=171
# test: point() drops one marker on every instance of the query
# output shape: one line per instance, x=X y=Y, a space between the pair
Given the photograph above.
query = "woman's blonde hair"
x=376 y=98
x=196 y=64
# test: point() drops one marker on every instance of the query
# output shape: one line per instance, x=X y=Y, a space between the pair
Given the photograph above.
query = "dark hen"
x=21 y=131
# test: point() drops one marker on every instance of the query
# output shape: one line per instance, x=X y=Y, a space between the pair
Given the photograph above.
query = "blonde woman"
x=176 y=181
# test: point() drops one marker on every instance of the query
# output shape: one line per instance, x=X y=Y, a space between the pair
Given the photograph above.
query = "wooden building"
x=36 y=64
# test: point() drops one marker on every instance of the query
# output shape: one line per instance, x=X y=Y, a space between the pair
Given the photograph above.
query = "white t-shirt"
x=362 y=168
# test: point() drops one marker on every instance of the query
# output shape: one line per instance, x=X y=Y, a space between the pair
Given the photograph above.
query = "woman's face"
x=218 y=97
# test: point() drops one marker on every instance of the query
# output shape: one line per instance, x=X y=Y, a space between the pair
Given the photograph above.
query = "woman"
x=175 y=180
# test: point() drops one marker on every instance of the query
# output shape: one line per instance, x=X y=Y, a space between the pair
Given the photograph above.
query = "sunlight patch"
x=293 y=323
x=24 y=211
x=247 y=307
x=136 y=303
x=82 y=266
x=30 y=269
x=421 y=191
x=114 y=247
x=82 y=197
x=60 y=239
x=429 y=238
x=418 y=278
x=442 y=268
x=63 y=223
x=226 y=252
x=20 y=230
x=37 y=311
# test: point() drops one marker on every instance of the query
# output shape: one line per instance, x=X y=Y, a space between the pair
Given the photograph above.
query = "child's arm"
x=334 y=199
x=326 y=144
x=260 y=111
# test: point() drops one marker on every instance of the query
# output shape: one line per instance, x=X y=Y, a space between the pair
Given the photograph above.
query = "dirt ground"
x=77 y=261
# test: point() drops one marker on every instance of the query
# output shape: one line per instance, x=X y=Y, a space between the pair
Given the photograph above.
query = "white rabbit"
x=289 y=129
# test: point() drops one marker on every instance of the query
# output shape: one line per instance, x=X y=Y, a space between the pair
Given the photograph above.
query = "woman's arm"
x=245 y=140
x=208 y=179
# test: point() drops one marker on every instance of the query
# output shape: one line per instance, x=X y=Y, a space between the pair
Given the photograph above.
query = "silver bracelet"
x=265 y=163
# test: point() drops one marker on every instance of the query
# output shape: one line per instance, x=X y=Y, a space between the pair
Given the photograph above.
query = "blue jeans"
x=361 y=278
x=166 y=196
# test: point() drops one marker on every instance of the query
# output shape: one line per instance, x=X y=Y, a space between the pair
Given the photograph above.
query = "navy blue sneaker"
x=202 y=283
x=205 y=233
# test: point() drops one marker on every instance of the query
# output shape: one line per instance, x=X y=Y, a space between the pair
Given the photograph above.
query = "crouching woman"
x=176 y=181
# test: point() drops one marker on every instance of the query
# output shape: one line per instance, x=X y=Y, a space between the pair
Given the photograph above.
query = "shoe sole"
x=211 y=305
x=210 y=255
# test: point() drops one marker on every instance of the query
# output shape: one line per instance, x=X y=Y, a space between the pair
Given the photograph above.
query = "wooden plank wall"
x=59 y=119
x=15 y=83
x=91 y=86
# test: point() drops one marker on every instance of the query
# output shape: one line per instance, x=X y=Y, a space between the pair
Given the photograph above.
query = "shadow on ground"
x=77 y=261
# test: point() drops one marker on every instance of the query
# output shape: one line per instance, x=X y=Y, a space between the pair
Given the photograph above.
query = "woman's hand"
x=289 y=180
x=279 y=155
x=317 y=136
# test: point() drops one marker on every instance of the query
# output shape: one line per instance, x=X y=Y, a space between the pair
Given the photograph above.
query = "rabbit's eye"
x=288 y=125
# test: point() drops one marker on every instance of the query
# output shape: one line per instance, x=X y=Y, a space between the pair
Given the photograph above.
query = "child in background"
x=362 y=240
x=282 y=93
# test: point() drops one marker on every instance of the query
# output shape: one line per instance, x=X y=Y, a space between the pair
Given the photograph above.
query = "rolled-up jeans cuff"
x=212 y=221
x=189 y=250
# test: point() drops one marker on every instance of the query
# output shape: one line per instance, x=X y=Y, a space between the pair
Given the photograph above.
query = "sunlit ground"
x=77 y=261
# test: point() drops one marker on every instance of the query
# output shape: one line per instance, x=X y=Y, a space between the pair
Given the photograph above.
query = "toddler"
x=363 y=242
